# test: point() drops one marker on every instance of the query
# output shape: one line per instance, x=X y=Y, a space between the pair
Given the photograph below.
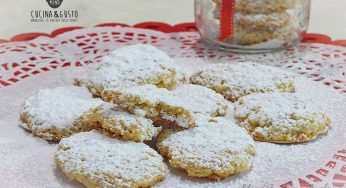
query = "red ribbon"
x=226 y=19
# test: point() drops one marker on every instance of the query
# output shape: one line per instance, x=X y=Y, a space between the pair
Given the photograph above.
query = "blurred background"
x=327 y=16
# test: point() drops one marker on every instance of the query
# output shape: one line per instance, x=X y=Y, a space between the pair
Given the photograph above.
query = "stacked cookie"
x=257 y=21
x=137 y=95
x=180 y=105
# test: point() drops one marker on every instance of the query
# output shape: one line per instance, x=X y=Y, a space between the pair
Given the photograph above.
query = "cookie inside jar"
x=252 y=25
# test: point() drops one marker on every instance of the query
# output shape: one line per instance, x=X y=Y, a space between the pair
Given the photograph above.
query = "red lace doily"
x=163 y=27
x=29 y=54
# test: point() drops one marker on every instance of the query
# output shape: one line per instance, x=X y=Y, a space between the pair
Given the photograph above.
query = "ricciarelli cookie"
x=234 y=80
x=254 y=29
x=251 y=37
x=262 y=22
x=215 y=149
x=60 y=112
x=118 y=123
x=178 y=105
x=99 y=161
x=130 y=66
x=281 y=117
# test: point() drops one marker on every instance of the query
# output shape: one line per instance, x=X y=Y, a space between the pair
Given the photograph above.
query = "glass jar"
x=252 y=25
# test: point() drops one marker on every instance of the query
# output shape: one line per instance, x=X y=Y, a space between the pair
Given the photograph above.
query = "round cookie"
x=130 y=66
x=59 y=112
x=281 y=117
x=215 y=149
x=234 y=80
x=98 y=161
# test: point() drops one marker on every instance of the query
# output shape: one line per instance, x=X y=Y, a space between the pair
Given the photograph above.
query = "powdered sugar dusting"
x=281 y=113
x=153 y=95
x=275 y=164
x=213 y=145
x=123 y=121
x=113 y=112
x=58 y=107
x=239 y=79
x=277 y=105
x=133 y=65
x=201 y=99
x=113 y=161
x=31 y=163
x=193 y=98
x=135 y=54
